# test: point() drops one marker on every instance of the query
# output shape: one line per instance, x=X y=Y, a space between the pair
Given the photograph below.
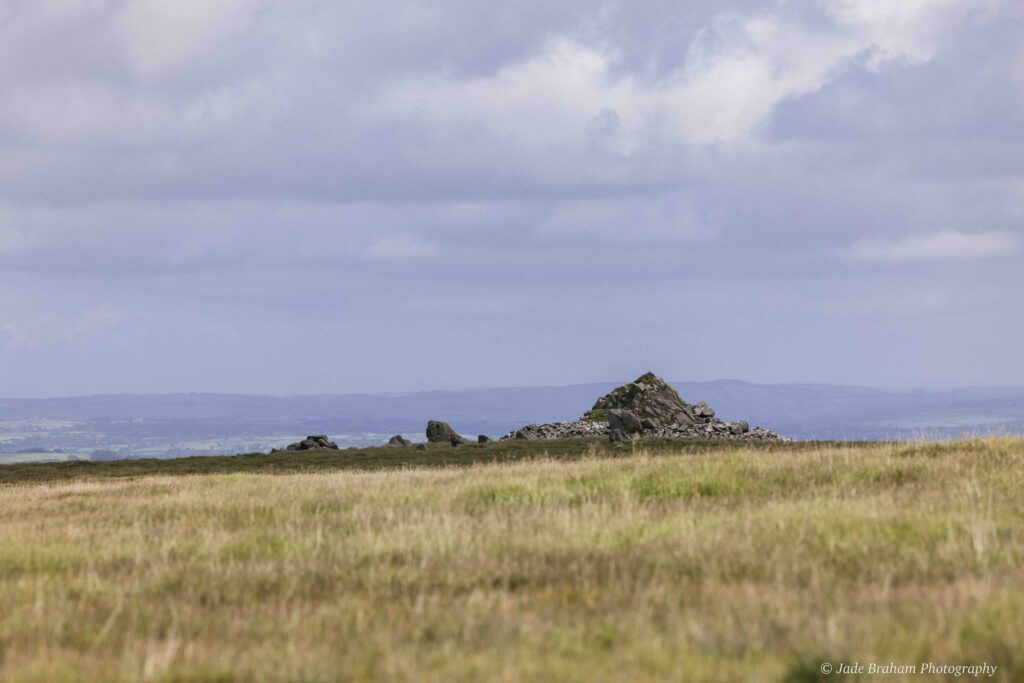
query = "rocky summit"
x=645 y=407
x=650 y=398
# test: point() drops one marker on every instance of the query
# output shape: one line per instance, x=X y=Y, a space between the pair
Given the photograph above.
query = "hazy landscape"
x=105 y=427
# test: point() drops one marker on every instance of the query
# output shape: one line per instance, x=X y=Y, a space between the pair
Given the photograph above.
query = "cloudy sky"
x=314 y=196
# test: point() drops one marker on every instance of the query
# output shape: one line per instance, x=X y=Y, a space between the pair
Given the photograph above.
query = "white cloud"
x=941 y=246
x=738 y=68
x=908 y=29
x=399 y=248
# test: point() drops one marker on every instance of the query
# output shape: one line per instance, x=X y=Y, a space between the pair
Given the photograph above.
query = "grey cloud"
x=420 y=180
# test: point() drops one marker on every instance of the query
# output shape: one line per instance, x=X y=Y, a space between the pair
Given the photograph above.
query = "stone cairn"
x=646 y=407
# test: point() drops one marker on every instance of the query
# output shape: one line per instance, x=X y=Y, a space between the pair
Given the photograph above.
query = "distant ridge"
x=796 y=410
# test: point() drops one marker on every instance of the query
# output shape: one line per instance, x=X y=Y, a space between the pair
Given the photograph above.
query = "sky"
x=249 y=196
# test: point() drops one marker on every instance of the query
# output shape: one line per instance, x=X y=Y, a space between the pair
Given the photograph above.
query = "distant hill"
x=803 y=411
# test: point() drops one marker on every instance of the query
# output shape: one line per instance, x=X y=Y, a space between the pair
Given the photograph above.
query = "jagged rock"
x=625 y=421
x=483 y=438
x=399 y=440
x=456 y=440
x=439 y=432
x=648 y=397
x=312 y=443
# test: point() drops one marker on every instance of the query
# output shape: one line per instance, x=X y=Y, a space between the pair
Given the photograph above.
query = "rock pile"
x=312 y=443
x=646 y=407
x=559 y=430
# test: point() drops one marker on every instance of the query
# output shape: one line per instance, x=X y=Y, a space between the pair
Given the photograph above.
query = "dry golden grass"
x=734 y=566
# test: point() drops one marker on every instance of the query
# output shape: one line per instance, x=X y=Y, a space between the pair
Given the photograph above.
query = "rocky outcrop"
x=312 y=443
x=646 y=407
x=399 y=440
x=440 y=432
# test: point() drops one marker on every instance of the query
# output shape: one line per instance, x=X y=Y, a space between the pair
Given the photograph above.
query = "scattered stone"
x=559 y=430
x=439 y=432
x=399 y=440
x=312 y=443
x=483 y=438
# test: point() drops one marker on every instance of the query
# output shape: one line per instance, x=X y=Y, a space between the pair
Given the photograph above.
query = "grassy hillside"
x=713 y=563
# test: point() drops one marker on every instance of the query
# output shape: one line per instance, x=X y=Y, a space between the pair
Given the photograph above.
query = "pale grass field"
x=742 y=566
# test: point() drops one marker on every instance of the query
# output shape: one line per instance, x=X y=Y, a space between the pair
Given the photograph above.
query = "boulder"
x=483 y=438
x=740 y=427
x=399 y=440
x=624 y=421
x=703 y=410
x=456 y=440
x=439 y=432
